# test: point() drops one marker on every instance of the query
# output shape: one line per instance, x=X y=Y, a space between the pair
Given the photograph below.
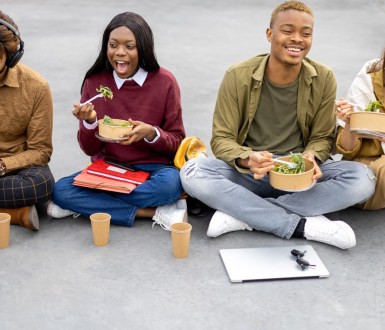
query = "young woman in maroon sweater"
x=149 y=97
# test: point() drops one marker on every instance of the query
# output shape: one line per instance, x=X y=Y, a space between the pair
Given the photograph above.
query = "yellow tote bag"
x=190 y=147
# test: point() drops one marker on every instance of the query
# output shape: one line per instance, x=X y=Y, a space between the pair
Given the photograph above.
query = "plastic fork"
x=93 y=98
x=290 y=164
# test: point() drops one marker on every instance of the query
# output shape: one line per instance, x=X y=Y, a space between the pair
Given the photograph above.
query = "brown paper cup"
x=5 y=222
x=180 y=236
x=100 y=223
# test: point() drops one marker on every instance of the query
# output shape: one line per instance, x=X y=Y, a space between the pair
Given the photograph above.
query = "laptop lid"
x=271 y=263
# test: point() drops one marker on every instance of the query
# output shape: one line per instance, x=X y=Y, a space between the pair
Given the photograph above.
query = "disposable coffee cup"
x=5 y=222
x=100 y=223
x=180 y=236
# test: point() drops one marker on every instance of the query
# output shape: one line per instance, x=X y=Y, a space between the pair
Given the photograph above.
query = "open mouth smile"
x=294 y=50
x=121 y=66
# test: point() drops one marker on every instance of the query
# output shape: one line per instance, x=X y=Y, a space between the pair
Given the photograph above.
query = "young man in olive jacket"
x=271 y=105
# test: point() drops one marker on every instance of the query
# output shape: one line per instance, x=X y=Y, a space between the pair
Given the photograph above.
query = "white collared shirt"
x=139 y=77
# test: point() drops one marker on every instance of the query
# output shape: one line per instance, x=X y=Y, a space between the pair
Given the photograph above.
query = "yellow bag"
x=190 y=147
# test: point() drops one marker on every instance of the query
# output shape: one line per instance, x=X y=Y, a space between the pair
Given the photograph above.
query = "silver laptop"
x=272 y=263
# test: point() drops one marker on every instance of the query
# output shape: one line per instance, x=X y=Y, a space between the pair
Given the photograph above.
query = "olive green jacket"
x=237 y=103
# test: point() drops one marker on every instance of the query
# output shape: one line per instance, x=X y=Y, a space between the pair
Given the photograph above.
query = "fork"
x=92 y=98
x=290 y=164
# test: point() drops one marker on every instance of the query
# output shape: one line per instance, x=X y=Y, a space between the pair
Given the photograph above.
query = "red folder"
x=84 y=179
x=101 y=168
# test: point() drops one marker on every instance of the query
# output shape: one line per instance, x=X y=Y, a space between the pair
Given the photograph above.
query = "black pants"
x=26 y=187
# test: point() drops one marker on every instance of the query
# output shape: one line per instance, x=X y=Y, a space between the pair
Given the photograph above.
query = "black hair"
x=144 y=43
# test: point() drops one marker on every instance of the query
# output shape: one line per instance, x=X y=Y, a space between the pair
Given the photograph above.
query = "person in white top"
x=367 y=86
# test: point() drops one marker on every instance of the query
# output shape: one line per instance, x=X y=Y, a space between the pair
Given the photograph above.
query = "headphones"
x=15 y=58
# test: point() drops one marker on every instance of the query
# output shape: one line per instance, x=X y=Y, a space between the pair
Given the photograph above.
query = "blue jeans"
x=163 y=187
x=257 y=203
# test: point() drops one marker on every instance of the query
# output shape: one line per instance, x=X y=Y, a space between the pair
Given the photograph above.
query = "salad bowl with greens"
x=369 y=123
x=285 y=178
x=110 y=128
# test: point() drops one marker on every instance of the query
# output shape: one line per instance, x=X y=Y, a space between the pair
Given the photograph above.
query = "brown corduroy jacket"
x=26 y=111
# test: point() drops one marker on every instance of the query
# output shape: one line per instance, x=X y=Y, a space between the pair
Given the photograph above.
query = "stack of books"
x=104 y=176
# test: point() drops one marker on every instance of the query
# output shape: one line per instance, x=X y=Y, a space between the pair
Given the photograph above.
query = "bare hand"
x=317 y=170
x=344 y=110
x=85 y=112
x=260 y=163
x=139 y=132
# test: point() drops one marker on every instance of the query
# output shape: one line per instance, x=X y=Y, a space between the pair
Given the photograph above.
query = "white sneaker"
x=222 y=223
x=337 y=233
x=166 y=215
x=55 y=211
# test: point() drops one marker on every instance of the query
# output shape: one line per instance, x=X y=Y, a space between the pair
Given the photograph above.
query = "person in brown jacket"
x=26 y=111
x=368 y=86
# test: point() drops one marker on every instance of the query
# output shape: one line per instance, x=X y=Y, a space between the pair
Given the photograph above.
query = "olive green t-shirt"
x=275 y=127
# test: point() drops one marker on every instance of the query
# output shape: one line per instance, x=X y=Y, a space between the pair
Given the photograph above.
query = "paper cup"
x=5 y=222
x=100 y=223
x=180 y=236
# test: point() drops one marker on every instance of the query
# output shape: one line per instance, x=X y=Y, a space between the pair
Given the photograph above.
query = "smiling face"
x=291 y=37
x=122 y=52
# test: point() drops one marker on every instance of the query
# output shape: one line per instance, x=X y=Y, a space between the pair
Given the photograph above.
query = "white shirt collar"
x=139 y=77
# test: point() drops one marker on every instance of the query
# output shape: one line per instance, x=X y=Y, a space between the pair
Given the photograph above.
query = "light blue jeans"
x=257 y=203
x=163 y=187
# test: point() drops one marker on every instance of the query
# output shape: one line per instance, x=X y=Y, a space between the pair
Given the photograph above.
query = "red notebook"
x=101 y=168
x=84 y=179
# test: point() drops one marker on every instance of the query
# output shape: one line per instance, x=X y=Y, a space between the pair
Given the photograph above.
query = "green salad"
x=105 y=91
x=109 y=121
x=374 y=106
x=285 y=169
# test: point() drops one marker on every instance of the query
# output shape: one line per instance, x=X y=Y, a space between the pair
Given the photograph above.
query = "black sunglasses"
x=300 y=261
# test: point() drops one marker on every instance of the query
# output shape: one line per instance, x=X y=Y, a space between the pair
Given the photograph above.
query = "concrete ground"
x=57 y=278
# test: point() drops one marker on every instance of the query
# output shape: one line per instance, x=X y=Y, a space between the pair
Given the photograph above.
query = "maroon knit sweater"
x=157 y=103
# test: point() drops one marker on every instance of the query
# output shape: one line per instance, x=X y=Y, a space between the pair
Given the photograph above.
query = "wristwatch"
x=3 y=168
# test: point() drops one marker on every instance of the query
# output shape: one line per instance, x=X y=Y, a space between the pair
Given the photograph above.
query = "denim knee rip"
x=372 y=177
x=370 y=173
x=189 y=169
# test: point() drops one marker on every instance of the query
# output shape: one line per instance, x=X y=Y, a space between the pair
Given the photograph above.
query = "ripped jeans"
x=257 y=203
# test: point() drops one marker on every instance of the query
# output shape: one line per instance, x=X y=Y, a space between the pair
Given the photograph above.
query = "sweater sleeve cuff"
x=90 y=126
x=156 y=137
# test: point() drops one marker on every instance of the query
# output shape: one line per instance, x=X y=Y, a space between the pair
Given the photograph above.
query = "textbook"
x=101 y=168
x=84 y=179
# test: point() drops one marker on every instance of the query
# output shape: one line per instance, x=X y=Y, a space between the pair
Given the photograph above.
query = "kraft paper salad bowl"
x=293 y=182
x=114 y=128
x=368 y=124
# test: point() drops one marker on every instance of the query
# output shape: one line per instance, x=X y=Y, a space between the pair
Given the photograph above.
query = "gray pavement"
x=57 y=279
